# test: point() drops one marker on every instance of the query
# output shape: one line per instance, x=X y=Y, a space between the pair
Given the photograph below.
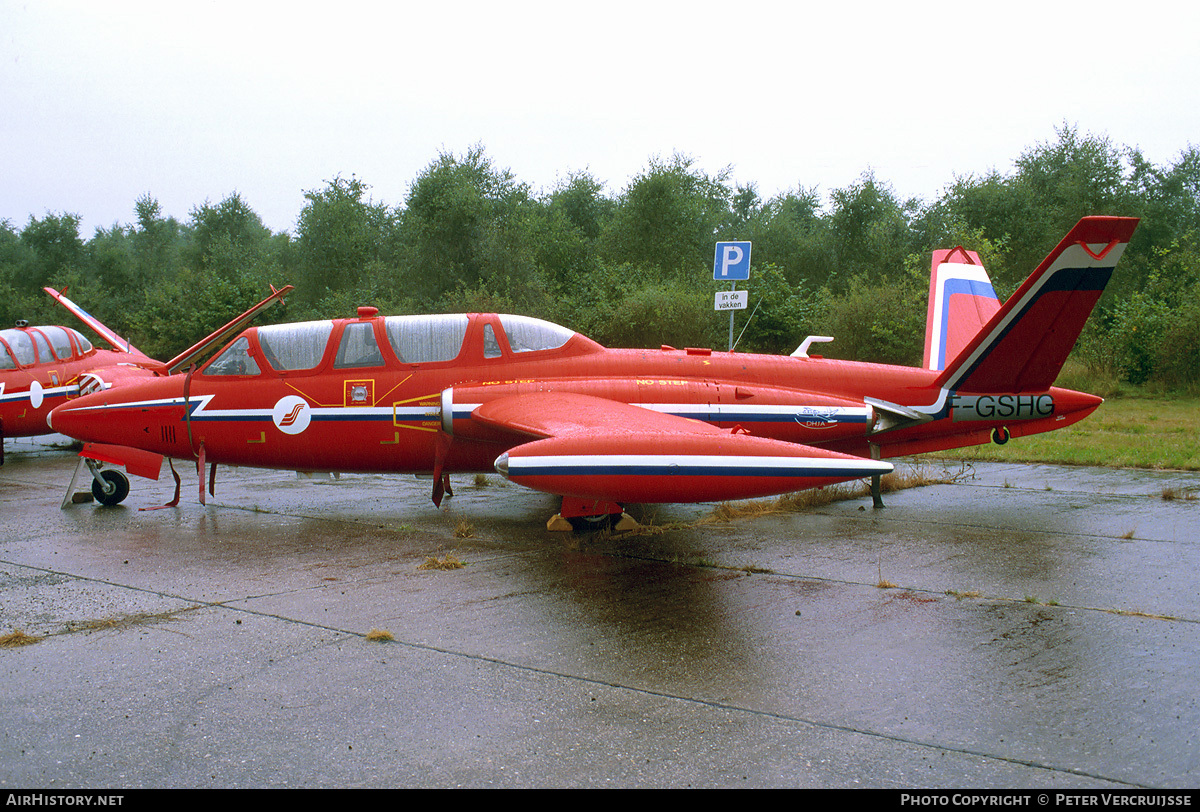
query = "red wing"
x=552 y=414
x=1024 y=344
x=608 y=450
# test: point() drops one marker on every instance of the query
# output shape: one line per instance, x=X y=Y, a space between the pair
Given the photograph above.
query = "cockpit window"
x=358 y=348
x=59 y=340
x=6 y=359
x=426 y=339
x=295 y=346
x=43 y=346
x=21 y=345
x=491 y=347
x=236 y=360
x=526 y=334
x=81 y=341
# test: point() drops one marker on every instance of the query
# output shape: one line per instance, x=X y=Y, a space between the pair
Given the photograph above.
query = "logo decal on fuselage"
x=814 y=418
x=1001 y=407
x=291 y=414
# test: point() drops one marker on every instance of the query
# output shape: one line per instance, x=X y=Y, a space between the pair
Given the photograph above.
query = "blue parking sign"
x=731 y=262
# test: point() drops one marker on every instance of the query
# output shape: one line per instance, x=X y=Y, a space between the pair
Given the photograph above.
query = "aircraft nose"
x=58 y=419
x=76 y=419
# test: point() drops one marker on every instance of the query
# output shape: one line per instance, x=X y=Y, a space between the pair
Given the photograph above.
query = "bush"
x=878 y=321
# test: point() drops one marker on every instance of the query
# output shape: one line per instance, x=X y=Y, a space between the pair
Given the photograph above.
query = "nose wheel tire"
x=114 y=490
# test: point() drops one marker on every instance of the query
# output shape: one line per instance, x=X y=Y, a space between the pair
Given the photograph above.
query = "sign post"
x=731 y=262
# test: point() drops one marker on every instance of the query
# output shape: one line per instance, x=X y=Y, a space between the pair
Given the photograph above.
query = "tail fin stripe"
x=1025 y=342
x=1064 y=279
x=1094 y=255
x=1072 y=280
x=967 y=287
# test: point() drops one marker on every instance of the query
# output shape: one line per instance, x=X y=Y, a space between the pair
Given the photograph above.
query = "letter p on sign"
x=732 y=261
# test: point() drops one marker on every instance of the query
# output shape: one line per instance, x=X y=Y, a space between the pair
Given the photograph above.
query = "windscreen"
x=527 y=334
x=81 y=341
x=236 y=360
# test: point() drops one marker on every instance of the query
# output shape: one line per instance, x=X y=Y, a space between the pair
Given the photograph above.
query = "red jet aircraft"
x=555 y=411
x=42 y=367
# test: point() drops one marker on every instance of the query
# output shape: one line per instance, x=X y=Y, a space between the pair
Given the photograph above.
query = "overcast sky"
x=104 y=101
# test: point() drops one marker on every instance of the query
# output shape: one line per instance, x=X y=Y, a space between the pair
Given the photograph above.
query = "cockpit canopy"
x=26 y=346
x=406 y=339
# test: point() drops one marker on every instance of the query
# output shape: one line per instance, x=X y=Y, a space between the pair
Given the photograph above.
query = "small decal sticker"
x=359 y=393
x=291 y=414
x=816 y=418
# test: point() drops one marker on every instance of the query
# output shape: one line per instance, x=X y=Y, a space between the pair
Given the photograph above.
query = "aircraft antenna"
x=744 y=326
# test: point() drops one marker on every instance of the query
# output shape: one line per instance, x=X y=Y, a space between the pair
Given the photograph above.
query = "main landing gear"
x=590 y=515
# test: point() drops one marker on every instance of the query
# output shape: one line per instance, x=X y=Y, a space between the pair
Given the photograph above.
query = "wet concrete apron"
x=1024 y=626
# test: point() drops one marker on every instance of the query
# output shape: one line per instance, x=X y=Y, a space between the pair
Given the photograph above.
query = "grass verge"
x=1127 y=432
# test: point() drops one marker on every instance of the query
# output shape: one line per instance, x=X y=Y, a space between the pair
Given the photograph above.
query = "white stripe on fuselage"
x=54 y=391
x=462 y=411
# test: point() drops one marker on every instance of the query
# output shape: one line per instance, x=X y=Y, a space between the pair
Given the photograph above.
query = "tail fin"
x=961 y=300
x=1024 y=344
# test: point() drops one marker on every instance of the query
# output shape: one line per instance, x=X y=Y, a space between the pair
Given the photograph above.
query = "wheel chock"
x=558 y=524
x=626 y=523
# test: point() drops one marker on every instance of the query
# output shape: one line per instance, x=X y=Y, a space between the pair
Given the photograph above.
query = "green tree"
x=780 y=315
x=1072 y=177
x=581 y=201
x=571 y=221
x=226 y=237
x=877 y=320
x=870 y=230
x=790 y=232
x=668 y=217
x=467 y=223
x=340 y=233
x=157 y=243
x=1166 y=198
x=56 y=246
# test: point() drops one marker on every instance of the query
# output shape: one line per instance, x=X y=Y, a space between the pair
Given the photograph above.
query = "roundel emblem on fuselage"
x=291 y=414
x=35 y=395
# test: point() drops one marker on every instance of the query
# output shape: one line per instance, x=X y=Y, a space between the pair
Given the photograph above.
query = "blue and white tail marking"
x=961 y=300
